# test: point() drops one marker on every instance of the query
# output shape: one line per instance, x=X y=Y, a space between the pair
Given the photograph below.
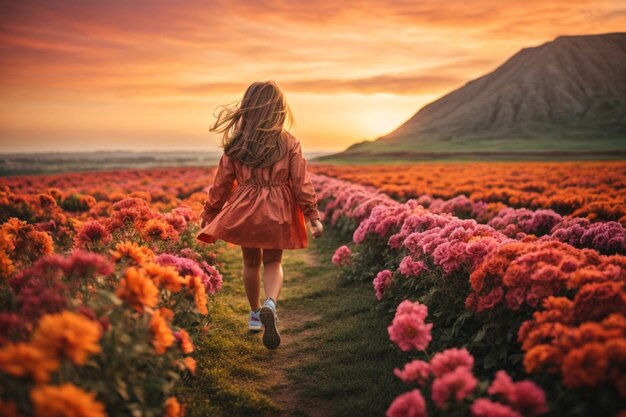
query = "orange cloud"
x=138 y=56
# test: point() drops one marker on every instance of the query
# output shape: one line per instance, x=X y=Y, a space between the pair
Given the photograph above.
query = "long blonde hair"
x=253 y=132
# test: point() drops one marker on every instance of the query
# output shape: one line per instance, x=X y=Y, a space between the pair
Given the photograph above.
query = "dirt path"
x=297 y=325
x=335 y=357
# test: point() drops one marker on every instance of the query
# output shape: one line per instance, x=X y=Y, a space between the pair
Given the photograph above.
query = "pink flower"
x=484 y=407
x=185 y=211
x=92 y=233
x=525 y=396
x=342 y=256
x=82 y=264
x=408 y=329
x=383 y=279
x=410 y=268
x=502 y=385
x=415 y=371
x=450 y=359
x=212 y=279
x=416 y=308
x=409 y=404
x=454 y=385
x=395 y=241
x=177 y=221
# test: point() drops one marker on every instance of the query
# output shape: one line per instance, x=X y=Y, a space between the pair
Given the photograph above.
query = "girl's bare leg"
x=252 y=275
x=272 y=272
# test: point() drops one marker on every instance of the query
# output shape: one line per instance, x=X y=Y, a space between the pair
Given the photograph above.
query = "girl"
x=260 y=197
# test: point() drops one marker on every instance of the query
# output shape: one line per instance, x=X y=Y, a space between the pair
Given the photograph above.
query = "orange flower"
x=167 y=314
x=540 y=333
x=585 y=366
x=137 y=289
x=8 y=409
x=596 y=300
x=67 y=334
x=141 y=194
x=6 y=265
x=157 y=229
x=199 y=294
x=542 y=357
x=186 y=344
x=161 y=332
x=557 y=309
x=22 y=359
x=173 y=408
x=190 y=363
x=39 y=243
x=131 y=251
x=7 y=239
x=164 y=276
x=65 y=400
x=615 y=320
x=9 y=232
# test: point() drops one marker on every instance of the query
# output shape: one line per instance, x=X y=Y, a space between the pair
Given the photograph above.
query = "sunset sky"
x=148 y=75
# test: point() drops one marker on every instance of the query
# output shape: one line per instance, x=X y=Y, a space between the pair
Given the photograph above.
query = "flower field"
x=503 y=311
x=592 y=190
x=504 y=285
x=103 y=291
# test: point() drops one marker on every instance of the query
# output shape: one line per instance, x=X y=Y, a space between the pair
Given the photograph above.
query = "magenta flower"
x=455 y=385
x=409 y=404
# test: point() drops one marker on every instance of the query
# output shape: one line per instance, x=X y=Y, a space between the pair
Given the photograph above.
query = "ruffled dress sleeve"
x=301 y=184
x=223 y=185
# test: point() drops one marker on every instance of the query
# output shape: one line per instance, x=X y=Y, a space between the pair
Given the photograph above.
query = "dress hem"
x=211 y=239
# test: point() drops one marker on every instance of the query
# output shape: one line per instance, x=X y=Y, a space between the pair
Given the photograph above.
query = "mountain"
x=565 y=96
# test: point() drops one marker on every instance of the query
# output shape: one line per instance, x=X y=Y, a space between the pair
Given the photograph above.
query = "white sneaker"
x=254 y=324
x=271 y=337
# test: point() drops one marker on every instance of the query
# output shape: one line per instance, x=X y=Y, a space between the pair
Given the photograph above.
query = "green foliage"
x=75 y=203
x=18 y=208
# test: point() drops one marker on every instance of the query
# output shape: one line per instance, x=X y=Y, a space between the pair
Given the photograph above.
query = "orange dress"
x=261 y=208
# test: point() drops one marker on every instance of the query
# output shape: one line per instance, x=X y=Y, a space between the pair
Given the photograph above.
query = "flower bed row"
x=532 y=307
x=592 y=230
x=102 y=296
x=593 y=189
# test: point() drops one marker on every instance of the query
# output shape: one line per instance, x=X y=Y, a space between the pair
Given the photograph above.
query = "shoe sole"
x=271 y=337
x=255 y=328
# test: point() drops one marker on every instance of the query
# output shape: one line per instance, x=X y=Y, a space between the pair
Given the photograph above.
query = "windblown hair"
x=253 y=132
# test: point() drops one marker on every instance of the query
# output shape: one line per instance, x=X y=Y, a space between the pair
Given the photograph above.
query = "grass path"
x=335 y=357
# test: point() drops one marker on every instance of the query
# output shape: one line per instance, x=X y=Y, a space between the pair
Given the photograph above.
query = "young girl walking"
x=261 y=197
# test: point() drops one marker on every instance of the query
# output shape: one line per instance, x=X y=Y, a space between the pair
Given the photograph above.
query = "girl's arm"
x=301 y=184
x=220 y=190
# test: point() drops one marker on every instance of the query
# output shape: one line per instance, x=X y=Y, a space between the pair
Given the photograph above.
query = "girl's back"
x=262 y=207
x=260 y=198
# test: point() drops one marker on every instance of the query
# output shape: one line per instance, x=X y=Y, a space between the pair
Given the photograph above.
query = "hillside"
x=565 y=96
